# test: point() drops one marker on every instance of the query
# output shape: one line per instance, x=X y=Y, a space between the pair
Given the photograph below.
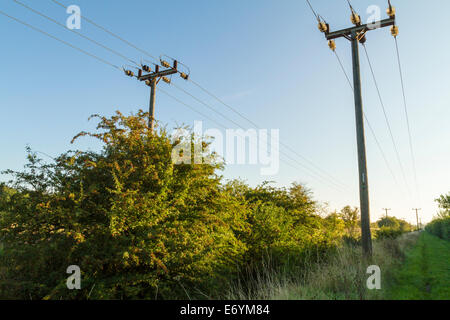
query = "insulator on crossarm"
x=332 y=45
x=146 y=68
x=166 y=80
x=323 y=27
x=355 y=19
x=184 y=76
x=129 y=73
x=165 y=64
x=394 y=31
x=391 y=12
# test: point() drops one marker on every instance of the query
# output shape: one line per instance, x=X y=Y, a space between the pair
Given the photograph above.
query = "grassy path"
x=425 y=275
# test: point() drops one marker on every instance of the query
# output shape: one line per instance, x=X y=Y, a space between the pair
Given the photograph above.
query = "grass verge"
x=425 y=275
x=341 y=275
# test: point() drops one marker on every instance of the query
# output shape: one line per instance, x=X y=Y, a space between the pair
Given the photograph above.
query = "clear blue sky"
x=265 y=58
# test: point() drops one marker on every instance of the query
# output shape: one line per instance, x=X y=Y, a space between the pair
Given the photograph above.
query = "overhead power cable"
x=203 y=89
x=312 y=9
x=109 y=32
x=387 y=119
x=308 y=170
x=322 y=172
x=383 y=154
x=206 y=105
x=365 y=116
x=40 y=13
x=59 y=40
x=116 y=67
x=76 y=32
x=407 y=119
x=316 y=174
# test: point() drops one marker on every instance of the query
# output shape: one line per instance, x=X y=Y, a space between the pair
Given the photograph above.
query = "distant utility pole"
x=356 y=35
x=417 y=217
x=152 y=79
x=386 y=211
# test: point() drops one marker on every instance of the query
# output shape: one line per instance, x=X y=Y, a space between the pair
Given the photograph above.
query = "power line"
x=109 y=32
x=407 y=118
x=102 y=60
x=110 y=64
x=192 y=108
x=356 y=35
x=369 y=124
x=203 y=89
x=317 y=175
x=205 y=104
x=365 y=116
x=380 y=149
x=62 y=41
x=313 y=175
x=312 y=9
x=322 y=172
x=73 y=31
x=387 y=119
x=343 y=69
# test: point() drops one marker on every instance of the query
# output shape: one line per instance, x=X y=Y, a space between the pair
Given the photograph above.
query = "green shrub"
x=141 y=227
x=440 y=227
x=391 y=228
x=137 y=225
x=388 y=233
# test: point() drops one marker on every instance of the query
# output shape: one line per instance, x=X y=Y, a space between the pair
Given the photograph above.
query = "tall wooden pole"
x=366 y=237
x=151 y=117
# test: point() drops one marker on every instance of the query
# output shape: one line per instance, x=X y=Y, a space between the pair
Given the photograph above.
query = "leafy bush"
x=141 y=227
x=391 y=228
x=388 y=233
x=137 y=225
x=440 y=226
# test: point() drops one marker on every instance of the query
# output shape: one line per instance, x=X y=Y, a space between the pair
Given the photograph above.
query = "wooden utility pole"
x=417 y=216
x=151 y=117
x=152 y=79
x=356 y=35
x=385 y=209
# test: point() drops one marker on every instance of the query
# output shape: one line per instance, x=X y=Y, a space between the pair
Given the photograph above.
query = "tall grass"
x=338 y=275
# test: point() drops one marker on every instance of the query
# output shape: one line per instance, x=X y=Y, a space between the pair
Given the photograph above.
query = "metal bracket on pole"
x=346 y=33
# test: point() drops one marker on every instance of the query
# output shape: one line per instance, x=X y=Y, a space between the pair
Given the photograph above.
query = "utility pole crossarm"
x=157 y=74
x=151 y=79
x=346 y=33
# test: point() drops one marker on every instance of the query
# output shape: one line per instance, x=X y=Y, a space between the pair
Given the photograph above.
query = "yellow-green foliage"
x=141 y=227
x=341 y=274
x=391 y=227
x=440 y=226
